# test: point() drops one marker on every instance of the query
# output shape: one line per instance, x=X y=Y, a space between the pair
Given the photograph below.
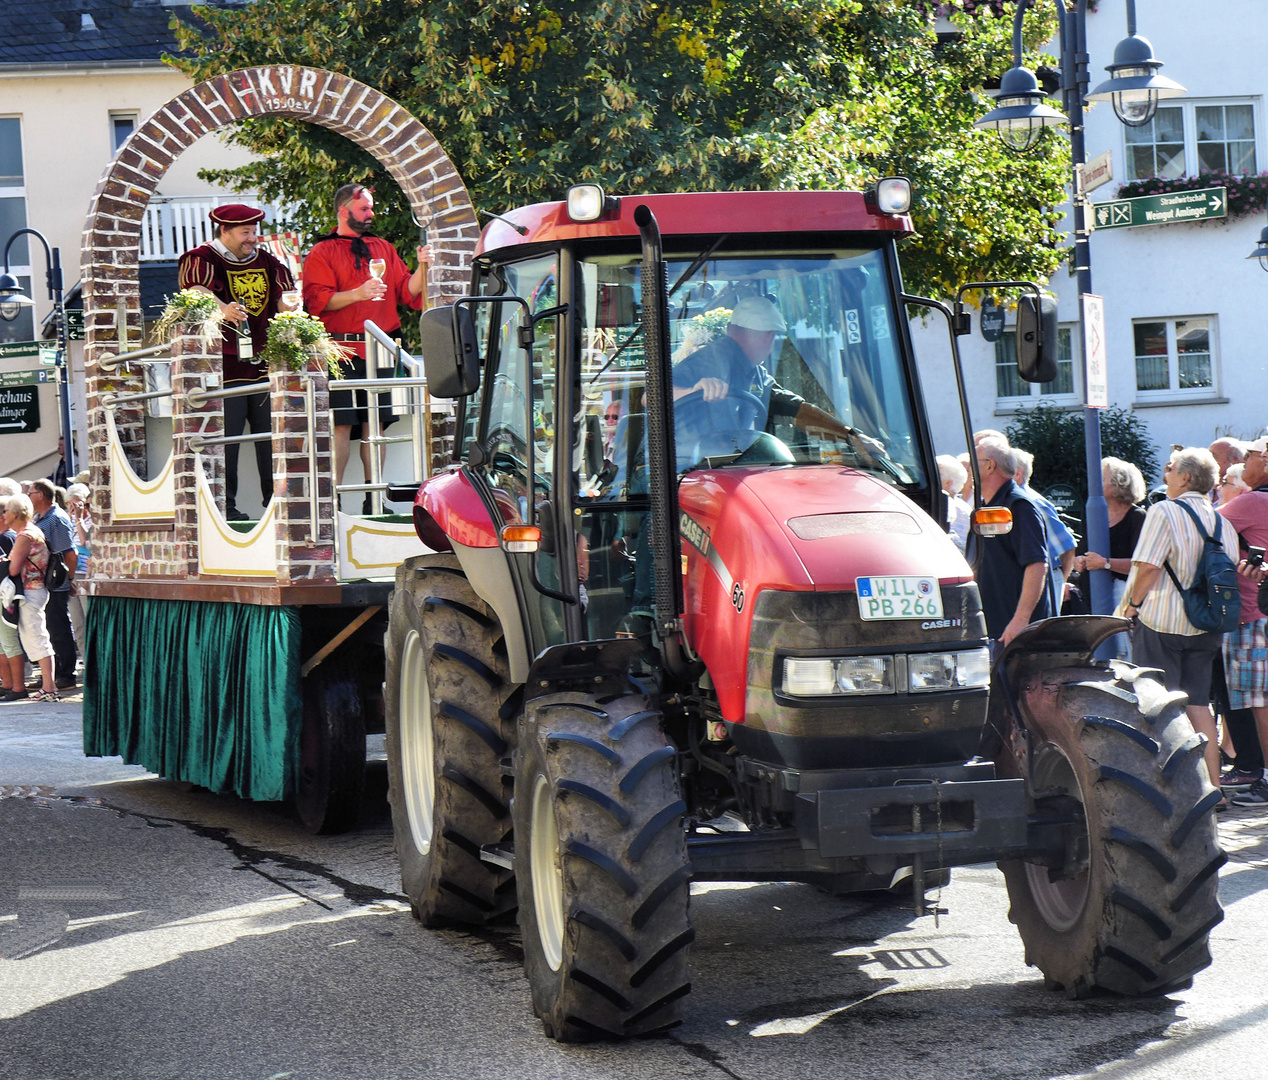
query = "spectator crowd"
x=1161 y=547
x=45 y=540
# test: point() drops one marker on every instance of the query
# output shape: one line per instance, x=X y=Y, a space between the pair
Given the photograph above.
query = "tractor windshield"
x=777 y=359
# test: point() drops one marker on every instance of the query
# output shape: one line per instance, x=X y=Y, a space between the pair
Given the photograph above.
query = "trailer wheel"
x=331 y=778
x=450 y=717
x=602 y=867
x=1136 y=915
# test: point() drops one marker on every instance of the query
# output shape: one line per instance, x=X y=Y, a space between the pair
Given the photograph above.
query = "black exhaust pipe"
x=662 y=458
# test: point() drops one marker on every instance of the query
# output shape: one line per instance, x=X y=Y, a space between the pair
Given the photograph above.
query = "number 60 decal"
x=737 y=596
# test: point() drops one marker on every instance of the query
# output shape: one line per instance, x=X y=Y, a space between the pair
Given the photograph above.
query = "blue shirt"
x=723 y=359
x=58 y=532
x=1060 y=540
x=1004 y=560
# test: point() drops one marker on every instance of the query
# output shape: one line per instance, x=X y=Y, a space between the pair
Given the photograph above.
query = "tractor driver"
x=737 y=361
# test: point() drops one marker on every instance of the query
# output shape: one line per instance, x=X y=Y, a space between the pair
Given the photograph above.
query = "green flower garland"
x=294 y=336
x=189 y=307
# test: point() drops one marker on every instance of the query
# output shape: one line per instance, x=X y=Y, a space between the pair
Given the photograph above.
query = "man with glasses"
x=1013 y=574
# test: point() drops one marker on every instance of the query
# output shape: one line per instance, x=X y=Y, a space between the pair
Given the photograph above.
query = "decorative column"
x=303 y=477
x=195 y=367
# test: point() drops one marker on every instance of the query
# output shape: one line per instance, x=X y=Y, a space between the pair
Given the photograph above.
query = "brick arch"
x=109 y=271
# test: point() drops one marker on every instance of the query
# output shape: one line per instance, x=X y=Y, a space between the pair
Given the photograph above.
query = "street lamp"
x=1134 y=88
x=1261 y=249
x=12 y=300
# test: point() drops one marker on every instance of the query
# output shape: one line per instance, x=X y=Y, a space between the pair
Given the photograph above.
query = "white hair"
x=951 y=473
x=9 y=486
x=1025 y=464
x=998 y=451
x=1122 y=480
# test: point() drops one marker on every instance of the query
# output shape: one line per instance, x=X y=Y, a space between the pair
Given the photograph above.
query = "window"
x=10 y=152
x=1157 y=148
x=121 y=126
x=1193 y=138
x=1226 y=138
x=13 y=218
x=1009 y=384
x=1175 y=356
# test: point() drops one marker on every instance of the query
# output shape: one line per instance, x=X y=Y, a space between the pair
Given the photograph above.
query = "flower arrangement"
x=294 y=336
x=1247 y=194
x=190 y=307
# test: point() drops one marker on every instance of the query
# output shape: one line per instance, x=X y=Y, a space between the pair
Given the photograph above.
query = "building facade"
x=1185 y=312
x=76 y=79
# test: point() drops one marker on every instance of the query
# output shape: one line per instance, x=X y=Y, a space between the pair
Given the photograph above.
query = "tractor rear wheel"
x=450 y=717
x=1133 y=909
x=601 y=861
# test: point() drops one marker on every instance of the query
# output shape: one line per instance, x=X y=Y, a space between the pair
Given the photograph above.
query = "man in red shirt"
x=248 y=283
x=339 y=289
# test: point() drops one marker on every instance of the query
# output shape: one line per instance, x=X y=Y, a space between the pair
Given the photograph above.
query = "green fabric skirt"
x=202 y=692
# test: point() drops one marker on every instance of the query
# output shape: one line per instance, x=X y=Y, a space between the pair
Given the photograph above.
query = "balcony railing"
x=174 y=225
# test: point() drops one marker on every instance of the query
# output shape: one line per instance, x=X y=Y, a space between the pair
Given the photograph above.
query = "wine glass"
x=378 y=267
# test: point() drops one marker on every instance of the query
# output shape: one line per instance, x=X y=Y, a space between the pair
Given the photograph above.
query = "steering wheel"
x=696 y=403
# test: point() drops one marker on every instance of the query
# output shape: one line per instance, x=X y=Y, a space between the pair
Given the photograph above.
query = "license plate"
x=899 y=598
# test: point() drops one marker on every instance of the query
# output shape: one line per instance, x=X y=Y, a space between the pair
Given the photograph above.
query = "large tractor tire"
x=601 y=861
x=1137 y=918
x=331 y=778
x=450 y=716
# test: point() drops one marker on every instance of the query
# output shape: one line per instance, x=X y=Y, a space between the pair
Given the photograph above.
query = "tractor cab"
x=788 y=353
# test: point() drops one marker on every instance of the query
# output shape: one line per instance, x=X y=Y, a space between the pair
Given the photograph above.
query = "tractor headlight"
x=823 y=677
x=949 y=670
x=848 y=675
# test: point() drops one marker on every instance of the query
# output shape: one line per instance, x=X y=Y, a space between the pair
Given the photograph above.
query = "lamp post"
x=12 y=300
x=1019 y=117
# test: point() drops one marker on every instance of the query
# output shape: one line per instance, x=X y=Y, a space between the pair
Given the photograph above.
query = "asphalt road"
x=150 y=931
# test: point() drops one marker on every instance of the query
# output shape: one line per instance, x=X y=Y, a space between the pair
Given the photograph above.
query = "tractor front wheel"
x=601 y=861
x=1131 y=909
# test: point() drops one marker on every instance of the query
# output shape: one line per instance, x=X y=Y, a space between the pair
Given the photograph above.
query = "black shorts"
x=351 y=408
x=1185 y=660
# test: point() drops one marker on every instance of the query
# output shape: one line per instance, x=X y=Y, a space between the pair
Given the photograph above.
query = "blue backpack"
x=1212 y=602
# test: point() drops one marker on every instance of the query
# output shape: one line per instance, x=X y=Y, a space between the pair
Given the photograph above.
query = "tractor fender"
x=1068 y=641
x=448 y=511
x=594 y=667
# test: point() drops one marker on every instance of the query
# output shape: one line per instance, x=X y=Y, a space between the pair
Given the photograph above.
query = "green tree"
x=1057 y=439
x=529 y=96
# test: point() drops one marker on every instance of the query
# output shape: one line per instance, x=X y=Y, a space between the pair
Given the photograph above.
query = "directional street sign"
x=24 y=378
x=1169 y=209
x=9 y=349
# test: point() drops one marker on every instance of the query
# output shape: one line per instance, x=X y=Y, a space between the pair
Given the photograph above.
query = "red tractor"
x=693 y=615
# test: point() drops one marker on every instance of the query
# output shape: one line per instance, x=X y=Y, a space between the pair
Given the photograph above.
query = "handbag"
x=56 y=573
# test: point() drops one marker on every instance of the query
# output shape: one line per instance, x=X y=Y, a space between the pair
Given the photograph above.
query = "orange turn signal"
x=521 y=537
x=992 y=521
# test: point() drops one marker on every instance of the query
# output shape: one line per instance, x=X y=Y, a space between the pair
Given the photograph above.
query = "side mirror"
x=451 y=352
x=1037 y=339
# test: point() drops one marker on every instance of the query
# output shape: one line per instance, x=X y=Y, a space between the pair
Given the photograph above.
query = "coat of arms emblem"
x=250 y=288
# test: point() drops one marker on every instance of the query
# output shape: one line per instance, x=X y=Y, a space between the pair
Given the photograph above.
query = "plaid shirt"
x=1169 y=535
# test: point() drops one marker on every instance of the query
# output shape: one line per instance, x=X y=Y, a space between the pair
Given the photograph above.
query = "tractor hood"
x=811 y=527
x=802 y=529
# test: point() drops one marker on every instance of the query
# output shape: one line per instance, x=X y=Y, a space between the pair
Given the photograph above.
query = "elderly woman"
x=953 y=475
x=1232 y=485
x=28 y=561
x=81 y=519
x=12 y=660
x=1124 y=488
x=1162 y=636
